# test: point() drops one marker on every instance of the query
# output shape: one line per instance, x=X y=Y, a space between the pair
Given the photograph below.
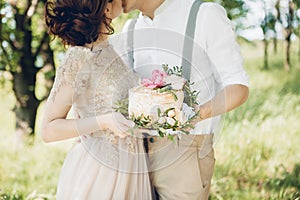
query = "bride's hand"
x=117 y=123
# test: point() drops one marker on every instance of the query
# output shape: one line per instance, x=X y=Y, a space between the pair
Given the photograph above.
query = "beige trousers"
x=181 y=169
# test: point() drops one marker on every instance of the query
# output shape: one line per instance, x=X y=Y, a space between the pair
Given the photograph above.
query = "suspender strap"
x=188 y=44
x=130 y=42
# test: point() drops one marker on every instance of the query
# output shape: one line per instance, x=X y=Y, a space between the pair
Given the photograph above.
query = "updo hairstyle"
x=77 y=22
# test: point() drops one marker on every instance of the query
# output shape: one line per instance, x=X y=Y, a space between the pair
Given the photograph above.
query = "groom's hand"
x=198 y=109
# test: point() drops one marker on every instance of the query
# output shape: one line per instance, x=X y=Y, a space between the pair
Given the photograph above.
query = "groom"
x=183 y=170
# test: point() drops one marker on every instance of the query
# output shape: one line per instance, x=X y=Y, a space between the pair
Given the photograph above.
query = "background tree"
x=269 y=30
x=290 y=16
x=236 y=11
x=297 y=19
x=278 y=20
x=267 y=25
x=289 y=22
x=26 y=54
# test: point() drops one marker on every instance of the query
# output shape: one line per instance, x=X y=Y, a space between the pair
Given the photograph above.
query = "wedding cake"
x=159 y=99
x=162 y=104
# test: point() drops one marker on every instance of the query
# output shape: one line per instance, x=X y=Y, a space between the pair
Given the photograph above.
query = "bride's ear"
x=108 y=10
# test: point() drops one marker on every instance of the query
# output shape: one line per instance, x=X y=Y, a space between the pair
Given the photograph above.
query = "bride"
x=107 y=162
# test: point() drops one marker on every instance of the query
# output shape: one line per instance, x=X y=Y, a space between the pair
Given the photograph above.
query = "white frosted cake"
x=145 y=101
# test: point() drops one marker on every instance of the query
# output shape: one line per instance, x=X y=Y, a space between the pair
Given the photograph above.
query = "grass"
x=257 y=152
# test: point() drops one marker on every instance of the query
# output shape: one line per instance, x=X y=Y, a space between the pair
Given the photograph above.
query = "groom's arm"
x=226 y=100
x=224 y=52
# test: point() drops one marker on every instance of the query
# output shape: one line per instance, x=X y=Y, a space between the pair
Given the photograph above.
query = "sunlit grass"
x=259 y=145
x=30 y=172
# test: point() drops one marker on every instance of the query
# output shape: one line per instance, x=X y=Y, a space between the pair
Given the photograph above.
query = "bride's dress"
x=100 y=166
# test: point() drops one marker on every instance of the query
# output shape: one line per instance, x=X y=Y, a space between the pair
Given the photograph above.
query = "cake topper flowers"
x=156 y=81
x=163 y=81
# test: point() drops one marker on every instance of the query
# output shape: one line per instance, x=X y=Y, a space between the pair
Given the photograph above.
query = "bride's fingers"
x=129 y=124
x=142 y=130
x=193 y=124
x=121 y=130
x=118 y=117
x=120 y=134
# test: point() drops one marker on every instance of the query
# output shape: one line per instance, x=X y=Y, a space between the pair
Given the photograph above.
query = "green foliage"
x=162 y=125
x=268 y=24
x=11 y=197
x=235 y=9
x=121 y=106
x=25 y=55
x=284 y=179
x=190 y=96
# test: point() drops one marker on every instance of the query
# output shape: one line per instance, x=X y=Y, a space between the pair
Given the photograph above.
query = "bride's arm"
x=56 y=127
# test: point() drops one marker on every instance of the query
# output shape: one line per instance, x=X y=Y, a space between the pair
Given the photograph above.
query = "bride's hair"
x=77 y=22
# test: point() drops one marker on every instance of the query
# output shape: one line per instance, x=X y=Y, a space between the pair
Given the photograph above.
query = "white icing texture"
x=145 y=101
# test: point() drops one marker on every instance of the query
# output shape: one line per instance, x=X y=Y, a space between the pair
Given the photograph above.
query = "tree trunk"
x=266 y=63
x=299 y=43
x=287 y=65
x=289 y=32
x=49 y=66
x=24 y=80
x=26 y=106
x=275 y=42
x=299 y=51
x=26 y=45
x=24 y=83
x=277 y=8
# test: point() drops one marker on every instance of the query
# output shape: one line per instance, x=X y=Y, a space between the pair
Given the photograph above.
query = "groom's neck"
x=148 y=7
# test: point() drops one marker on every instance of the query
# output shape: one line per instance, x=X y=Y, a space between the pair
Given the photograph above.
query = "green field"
x=257 y=151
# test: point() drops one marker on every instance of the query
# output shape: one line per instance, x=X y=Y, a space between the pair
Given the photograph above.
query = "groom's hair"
x=77 y=22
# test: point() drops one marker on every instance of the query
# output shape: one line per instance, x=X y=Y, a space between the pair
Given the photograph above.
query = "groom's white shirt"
x=216 y=63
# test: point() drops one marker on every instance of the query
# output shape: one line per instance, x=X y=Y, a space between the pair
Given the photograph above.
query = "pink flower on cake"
x=156 y=81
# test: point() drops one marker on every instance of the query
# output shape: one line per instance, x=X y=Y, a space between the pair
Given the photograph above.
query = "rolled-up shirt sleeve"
x=222 y=47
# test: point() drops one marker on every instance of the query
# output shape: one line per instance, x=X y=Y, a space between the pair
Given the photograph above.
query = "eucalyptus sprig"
x=168 y=89
x=164 y=127
x=190 y=96
x=121 y=106
x=175 y=70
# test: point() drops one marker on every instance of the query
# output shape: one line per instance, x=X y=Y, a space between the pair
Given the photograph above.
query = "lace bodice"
x=98 y=78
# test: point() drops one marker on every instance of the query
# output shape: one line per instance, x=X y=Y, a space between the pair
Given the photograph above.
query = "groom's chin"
x=126 y=10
